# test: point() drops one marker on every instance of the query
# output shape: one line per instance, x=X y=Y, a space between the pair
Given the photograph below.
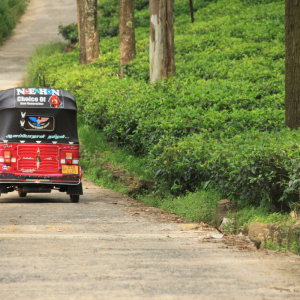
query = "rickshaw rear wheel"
x=74 y=198
x=22 y=194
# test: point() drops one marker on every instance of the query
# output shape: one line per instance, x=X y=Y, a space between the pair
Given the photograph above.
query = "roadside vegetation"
x=215 y=130
x=10 y=12
x=41 y=53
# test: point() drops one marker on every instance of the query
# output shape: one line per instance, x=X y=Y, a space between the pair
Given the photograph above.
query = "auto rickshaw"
x=39 y=147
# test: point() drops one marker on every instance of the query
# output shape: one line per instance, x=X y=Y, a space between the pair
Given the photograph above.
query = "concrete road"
x=38 y=25
x=109 y=246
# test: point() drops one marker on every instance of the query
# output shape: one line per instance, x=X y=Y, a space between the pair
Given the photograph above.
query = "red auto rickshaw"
x=39 y=147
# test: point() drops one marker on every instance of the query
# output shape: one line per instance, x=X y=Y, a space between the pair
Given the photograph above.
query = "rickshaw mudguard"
x=75 y=189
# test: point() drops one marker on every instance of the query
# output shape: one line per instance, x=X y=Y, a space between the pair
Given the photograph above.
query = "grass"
x=39 y=54
x=96 y=150
x=96 y=145
x=193 y=207
x=276 y=247
x=246 y=215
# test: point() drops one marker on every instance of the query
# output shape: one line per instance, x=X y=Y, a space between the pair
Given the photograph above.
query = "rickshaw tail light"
x=7 y=157
x=69 y=158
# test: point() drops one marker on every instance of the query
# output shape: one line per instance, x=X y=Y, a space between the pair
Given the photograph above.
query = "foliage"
x=69 y=32
x=294 y=247
x=40 y=53
x=193 y=207
x=219 y=120
x=249 y=214
x=99 y=151
x=108 y=17
x=10 y=11
x=253 y=168
x=96 y=150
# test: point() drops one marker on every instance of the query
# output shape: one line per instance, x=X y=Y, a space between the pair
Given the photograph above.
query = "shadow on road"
x=35 y=198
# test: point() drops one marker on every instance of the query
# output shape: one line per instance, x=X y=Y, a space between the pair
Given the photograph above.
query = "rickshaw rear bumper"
x=35 y=179
x=38 y=184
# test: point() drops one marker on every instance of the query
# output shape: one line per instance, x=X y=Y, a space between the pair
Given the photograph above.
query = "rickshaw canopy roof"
x=38 y=114
x=36 y=97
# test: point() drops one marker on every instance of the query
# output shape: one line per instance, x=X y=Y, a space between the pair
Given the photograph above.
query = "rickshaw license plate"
x=69 y=169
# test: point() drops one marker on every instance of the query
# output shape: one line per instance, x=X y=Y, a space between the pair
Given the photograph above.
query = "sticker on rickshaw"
x=6 y=168
x=38 y=97
x=42 y=123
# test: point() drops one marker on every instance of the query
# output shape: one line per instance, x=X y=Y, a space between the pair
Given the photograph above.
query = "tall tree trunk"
x=292 y=63
x=126 y=32
x=162 y=55
x=91 y=31
x=81 y=30
x=192 y=11
x=87 y=30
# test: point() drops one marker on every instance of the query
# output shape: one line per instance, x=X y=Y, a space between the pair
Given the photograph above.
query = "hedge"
x=219 y=120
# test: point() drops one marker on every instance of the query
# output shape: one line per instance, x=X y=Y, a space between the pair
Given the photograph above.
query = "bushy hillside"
x=10 y=11
x=220 y=119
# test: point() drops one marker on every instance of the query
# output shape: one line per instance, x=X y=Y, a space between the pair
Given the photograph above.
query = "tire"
x=74 y=198
x=22 y=194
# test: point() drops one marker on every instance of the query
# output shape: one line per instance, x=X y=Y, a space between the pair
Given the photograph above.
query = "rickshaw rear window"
x=38 y=123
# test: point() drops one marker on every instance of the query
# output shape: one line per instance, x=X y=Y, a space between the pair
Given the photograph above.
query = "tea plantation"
x=219 y=120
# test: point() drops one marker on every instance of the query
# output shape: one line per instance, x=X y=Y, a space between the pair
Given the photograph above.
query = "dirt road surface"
x=38 y=25
x=110 y=246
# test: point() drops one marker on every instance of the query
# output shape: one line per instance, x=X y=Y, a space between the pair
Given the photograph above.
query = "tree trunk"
x=162 y=56
x=87 y=30
x=292 y=63
x=91 y=31
x=81 y=30
x=192 y=11
x=126 y=33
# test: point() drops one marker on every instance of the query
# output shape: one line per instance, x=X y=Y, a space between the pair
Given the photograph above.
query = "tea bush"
x=108 y=17
x=69 y=32
x=220 y=119
x=254 y=167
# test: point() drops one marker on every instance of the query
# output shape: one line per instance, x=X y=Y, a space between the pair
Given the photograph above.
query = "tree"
x=192 y=11
x=126 y=33
x=292 y=64
x=162 y=55
x=88 y=30
x=81 y=30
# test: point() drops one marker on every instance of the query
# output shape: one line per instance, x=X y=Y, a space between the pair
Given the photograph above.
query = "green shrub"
x=69 y=32
x=254 y=168
x=6 y=23
x=10 y=11
x=32 y=78
x=220 y=119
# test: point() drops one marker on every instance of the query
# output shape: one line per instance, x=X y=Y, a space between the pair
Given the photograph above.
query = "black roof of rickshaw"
x=36 y=97
x=19 y=104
